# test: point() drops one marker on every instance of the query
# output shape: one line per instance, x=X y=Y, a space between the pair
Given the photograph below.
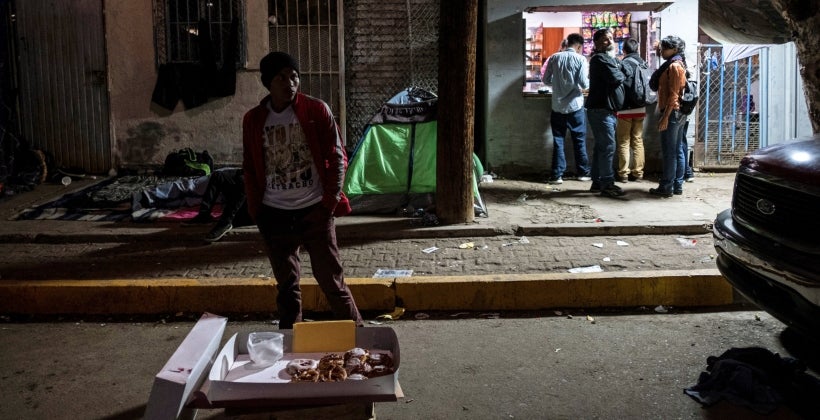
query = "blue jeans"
x=577 y=128
x=673 y=154
x=603 y=122
x=684 y=145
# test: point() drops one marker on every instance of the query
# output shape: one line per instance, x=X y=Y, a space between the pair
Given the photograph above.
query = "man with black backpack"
x=629 y=131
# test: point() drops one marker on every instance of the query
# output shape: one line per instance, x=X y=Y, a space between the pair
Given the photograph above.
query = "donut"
x=383 y=359
x=336 y=374
x=356 y=353
x=298 y=365
x=307 y=375
x=379 y=370
x=329 y=361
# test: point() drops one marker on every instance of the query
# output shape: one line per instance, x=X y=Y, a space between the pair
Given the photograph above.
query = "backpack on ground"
x=636 y=84
x=187 y=162
x=689 y=97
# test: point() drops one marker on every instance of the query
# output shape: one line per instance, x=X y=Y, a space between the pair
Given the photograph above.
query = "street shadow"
x=133 y=413
x=802 y=347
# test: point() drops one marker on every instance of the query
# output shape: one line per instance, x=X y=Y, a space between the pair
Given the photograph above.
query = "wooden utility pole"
x=456 y=109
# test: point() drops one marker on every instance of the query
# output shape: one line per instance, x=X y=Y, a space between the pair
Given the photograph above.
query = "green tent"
x=393 y=167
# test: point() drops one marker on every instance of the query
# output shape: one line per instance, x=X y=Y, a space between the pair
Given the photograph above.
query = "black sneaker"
x=660 y=193
x=596 y=187
x=218 y=232
x=199 y=219
x=556 y=181
x=633 y=178
x=677 y=192
x=612 y=191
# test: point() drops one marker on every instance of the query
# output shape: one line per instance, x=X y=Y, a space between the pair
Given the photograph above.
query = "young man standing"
x=629 y=131
x=294 y=163
x=567 y=73
x=606 y=96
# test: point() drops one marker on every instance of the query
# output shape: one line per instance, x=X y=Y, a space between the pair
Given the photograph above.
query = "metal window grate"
x=188 y=29
x=309 y=31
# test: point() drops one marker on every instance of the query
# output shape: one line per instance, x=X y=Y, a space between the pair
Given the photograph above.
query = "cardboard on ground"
x=233 y=376
x=186 y=370
x=197 y=377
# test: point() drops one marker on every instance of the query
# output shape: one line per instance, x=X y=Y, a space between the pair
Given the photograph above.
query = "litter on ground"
x=589 y=269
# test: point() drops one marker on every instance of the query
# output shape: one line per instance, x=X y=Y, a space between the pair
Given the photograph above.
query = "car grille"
x=796 y=215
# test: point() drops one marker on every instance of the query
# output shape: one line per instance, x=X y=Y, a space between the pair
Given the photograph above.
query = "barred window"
x=190 y=31
x=309 y=30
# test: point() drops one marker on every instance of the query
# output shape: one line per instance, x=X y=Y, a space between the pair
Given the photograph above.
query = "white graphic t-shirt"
x=292 y=179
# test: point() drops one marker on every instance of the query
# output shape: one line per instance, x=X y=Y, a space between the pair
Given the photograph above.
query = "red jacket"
x=326 y=146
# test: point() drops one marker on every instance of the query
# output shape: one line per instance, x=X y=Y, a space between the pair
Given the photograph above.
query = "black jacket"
x=606 y=88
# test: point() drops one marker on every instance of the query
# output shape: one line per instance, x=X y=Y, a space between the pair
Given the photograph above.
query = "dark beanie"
x=273 y=63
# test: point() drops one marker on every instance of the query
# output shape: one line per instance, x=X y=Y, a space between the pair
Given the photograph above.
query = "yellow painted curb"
x=556 y=290
x=248 y=295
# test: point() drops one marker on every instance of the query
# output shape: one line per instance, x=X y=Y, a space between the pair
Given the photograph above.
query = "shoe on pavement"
x=218 y=232
x=596 y=187
x=622 y=179
x=660 y=193
x=678 y=192
x=690 y=179
x=633 y=178
x=199 y=219
x=556 y=181
x=612 y=191
x=585 y=178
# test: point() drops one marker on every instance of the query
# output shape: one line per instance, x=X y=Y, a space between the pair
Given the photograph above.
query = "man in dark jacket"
x=294 y=163
x=606 y=96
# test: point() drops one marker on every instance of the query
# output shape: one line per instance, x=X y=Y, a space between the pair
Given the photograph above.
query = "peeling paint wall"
x=143 y=133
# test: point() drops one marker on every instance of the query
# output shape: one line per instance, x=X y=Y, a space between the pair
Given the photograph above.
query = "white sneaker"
x=556 y=181
x=584 y=178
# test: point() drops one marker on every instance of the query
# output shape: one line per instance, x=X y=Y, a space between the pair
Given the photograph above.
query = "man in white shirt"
x=568 y=74
x=294 y=165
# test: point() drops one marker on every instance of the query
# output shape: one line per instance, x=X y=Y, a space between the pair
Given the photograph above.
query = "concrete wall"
x=387 y=49
x=784 y=103
x=518 y=138
x=142 y=132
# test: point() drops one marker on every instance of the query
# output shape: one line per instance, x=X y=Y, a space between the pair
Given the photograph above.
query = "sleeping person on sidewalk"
x=229 y=184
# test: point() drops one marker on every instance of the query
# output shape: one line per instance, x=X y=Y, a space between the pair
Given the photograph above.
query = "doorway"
x=63 y=98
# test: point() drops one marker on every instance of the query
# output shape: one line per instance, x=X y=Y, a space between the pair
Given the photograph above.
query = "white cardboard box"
x=200 y=375
x=233 y=378
x=187 y=368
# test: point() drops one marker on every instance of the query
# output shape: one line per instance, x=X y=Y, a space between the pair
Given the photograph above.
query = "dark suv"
x=768 y=243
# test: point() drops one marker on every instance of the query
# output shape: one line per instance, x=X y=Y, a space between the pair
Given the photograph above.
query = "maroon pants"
x=284 y=232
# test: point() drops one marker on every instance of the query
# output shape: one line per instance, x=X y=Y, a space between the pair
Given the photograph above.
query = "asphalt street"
x=467 y=365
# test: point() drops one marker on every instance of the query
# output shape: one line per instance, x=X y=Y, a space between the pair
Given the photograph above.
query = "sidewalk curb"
x=677 y=288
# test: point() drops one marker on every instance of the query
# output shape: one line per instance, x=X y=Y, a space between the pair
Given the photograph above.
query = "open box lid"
x=187 y=368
